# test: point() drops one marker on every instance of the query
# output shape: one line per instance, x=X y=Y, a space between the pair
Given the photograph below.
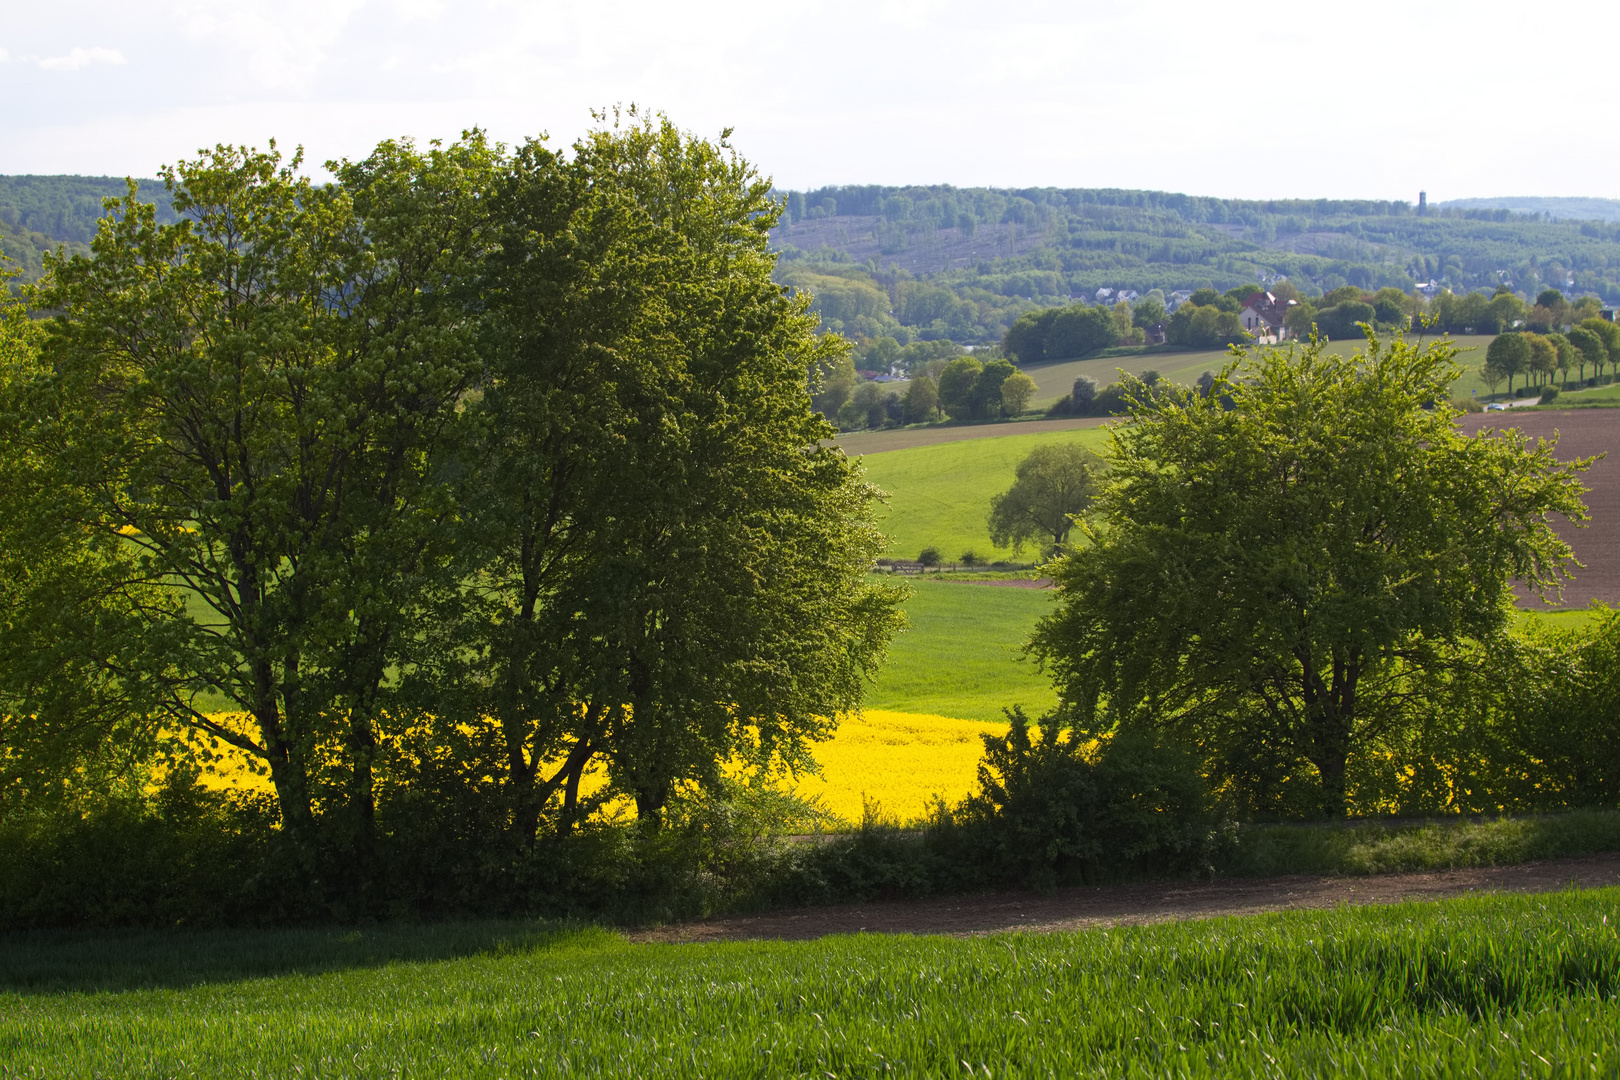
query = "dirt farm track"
x=1581 y=433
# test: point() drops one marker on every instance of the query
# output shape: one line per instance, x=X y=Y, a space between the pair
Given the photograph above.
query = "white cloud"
x=82 y=58
x=1081 y=93
x=287 y=42
x=5 y=56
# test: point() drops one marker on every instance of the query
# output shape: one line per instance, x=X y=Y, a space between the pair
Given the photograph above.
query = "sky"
x=1373 y=100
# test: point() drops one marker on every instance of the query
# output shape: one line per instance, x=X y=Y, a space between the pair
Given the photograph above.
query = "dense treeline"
x=427 y=492
x=932 y=262
x=39 y=214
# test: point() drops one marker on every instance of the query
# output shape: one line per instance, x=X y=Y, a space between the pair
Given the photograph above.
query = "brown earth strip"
x=1581 y=433
x=1151 y=902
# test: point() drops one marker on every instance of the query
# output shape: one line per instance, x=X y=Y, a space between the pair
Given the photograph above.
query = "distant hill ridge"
x=1557 y=208
x=41 y=213
x=936 y=261
x=930 y=262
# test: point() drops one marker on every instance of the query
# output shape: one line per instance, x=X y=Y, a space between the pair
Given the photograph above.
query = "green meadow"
x=1185 y=365
x=1493 y=985
x=940 y=495
x=960 y=654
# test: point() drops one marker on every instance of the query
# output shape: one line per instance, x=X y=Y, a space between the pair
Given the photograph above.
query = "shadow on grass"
x=107 y=961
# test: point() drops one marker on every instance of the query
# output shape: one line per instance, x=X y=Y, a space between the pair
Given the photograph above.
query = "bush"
x=182 y=857
x=1061 y=806
x=1548 y=395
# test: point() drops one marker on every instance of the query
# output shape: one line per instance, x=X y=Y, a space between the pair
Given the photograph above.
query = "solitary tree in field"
x=956 y=385
x=1279 y=581
x=921 y=401
x=1016 y=391
x=1084 y=394
x=1054 y=483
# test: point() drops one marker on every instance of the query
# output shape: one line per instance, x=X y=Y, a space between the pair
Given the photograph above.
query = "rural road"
x=1150 y=902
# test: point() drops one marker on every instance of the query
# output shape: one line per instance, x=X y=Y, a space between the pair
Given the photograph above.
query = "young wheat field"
x=1486 y=986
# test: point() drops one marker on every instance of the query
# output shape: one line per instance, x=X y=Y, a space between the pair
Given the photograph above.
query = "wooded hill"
x=41 y=213
x=936 y=262
x=963 y=263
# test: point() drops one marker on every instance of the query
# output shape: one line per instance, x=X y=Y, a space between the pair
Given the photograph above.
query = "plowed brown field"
x=1581 y=433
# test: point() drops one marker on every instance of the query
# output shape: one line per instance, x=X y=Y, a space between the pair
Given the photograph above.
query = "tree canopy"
x=467 y=469
x=1277 y=571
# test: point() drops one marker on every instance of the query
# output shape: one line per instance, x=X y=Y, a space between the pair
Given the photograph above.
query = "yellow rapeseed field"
x=898 y=761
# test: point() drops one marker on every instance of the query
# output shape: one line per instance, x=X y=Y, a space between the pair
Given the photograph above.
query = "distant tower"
x=1423 y=202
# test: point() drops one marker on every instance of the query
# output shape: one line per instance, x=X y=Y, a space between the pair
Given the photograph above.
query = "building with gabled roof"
x=1262 y=317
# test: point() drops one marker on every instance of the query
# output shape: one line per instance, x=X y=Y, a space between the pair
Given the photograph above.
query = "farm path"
x=1149 y=902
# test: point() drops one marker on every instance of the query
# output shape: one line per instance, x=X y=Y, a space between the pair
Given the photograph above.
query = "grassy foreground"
x=1498 y=985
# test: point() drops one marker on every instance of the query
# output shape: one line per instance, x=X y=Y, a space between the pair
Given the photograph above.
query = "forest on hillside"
x=964 y=263
x=41 y=213
x=938 y=263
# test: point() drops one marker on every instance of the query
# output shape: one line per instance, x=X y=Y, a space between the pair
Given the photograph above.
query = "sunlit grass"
x=940 y=495
x=1494 y=985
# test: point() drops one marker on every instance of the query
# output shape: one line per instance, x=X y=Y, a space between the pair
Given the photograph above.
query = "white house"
x=1262 y=317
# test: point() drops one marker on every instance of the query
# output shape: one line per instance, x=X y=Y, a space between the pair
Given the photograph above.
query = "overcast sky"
x=1374 y=99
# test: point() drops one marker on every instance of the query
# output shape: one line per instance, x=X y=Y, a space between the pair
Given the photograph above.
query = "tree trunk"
x=292 y=794
x=574 y=770
x=1330 y=706
x=362 y=792
x=650 y=802
x=288 y=771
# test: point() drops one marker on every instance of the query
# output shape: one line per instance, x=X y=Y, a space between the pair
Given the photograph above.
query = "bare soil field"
x=1581 y=433
x=1125 y=905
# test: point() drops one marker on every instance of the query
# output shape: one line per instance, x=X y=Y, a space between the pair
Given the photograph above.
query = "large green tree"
x=671 y=570
x=1609 y=334
x=1506 y=356
x=257 y=402
x=69 y=725
x=1279 y=569
x=1589 y=349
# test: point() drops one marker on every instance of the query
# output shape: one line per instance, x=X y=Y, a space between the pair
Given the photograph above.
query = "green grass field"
x=961 y=654
x=1598 y=397
x=1492 y=985
x=940 y=495
x=1184 y=366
